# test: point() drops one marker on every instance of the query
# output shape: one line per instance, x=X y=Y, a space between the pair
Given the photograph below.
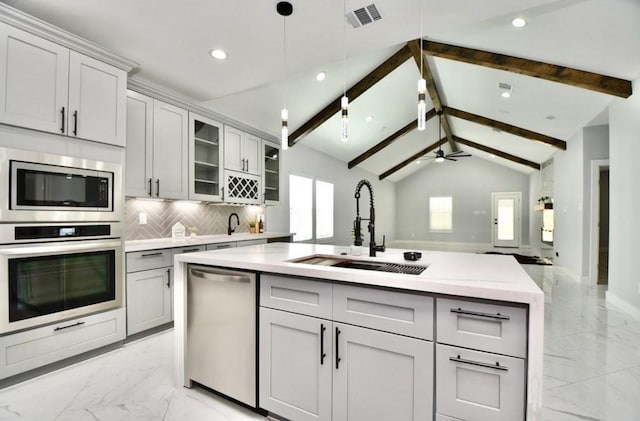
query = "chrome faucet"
x=229 y=229
x=373 y=248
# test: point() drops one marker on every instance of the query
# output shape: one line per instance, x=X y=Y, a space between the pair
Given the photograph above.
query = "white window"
x=324 y=209
x=441 y=213
x=300 y=207
x=303 y=208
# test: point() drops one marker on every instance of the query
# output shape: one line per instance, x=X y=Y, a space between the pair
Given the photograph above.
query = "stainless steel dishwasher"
x=221 y=331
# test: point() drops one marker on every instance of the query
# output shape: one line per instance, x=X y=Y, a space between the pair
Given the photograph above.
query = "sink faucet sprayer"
x=229 y=229
x=372 y=221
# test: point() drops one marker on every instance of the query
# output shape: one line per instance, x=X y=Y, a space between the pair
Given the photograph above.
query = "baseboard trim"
x=623 y=305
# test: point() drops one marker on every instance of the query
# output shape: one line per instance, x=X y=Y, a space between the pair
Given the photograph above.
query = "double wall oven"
x=61 y=252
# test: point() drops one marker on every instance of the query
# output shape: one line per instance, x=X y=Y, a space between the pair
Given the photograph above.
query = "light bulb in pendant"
x=285 y=129
x=422 y=104
x=344 y=103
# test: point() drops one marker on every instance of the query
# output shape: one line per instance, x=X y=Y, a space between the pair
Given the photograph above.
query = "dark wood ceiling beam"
x=569 y=76
x=499 y=153
x=508 y=128
x=389 y=140
x=354 y=92
x=412 y=158
x=432 y=90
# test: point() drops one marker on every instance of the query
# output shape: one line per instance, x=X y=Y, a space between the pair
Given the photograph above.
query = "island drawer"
x=297 y=295
x=475 y=385
x=389 y=311
x=187 y=249
x=484 y=326
x=148 y=259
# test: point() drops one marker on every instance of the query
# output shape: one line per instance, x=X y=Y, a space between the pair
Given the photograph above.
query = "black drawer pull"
x=190 y=250
x=151 y=254
x=67 y=327
x=495 y=366
x=338 y=359
x=497 y=316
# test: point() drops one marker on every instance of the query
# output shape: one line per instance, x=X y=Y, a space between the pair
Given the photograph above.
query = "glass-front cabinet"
x=205 y=163
x=271 y=174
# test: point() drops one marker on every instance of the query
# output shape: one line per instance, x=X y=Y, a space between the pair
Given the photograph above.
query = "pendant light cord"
x=421 y=58
x=284 y=56
x=344 y=48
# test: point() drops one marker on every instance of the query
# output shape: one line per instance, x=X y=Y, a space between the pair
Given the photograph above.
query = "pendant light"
x=284 y=9
x=422 y=86
x=344 y=101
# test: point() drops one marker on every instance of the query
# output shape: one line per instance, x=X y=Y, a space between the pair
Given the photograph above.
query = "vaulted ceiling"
x=171 y=41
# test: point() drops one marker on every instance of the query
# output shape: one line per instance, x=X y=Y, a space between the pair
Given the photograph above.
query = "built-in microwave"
x=59 y=272
x=54 y=188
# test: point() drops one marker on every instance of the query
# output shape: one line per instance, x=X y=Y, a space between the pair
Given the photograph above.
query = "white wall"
x=302 y=160
x=624 y=148
x=470 y=181
x=568 y=204
x=535 y=218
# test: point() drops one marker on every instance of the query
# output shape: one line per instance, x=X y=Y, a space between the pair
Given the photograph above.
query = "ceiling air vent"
x=363 y=16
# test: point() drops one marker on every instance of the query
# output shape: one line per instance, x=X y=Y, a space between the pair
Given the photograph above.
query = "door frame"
x=518 y=218
x=594 y=224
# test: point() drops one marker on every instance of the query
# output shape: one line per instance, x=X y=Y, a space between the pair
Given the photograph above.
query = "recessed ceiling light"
x=493 y=156
x=418 y=161
x=369 y=119
x=519 y=22
x=218 y=54
x=321 y=76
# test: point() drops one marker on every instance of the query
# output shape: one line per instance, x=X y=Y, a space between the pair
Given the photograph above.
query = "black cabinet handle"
x=75 y=123
x=68 y=326
x=338 y=359
x=150 y=191
x=495 y=366
x=62 y=126
x=158 y=187
x=322 y=353
x=190 y=250
x=247 y=161
x=151 y=254
x=497 y=316
x=169 y=278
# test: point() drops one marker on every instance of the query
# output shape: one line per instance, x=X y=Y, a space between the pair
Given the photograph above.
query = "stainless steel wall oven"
x=58 y=271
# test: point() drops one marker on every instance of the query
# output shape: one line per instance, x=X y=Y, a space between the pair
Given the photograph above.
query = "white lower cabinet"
x=381 y=376
x=148 y=299
x=295 y=365
x=316 y=369
x=35 y=348
x=479 y=386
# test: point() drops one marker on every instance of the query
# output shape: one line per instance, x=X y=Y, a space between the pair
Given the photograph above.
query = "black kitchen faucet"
x=229 y=229
x=372 y=221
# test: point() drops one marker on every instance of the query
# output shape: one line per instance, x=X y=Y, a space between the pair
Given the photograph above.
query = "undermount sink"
x=360 y=264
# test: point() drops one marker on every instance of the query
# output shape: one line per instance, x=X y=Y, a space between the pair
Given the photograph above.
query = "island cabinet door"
x=381 y=376
x=479 y=386
x=295 y=365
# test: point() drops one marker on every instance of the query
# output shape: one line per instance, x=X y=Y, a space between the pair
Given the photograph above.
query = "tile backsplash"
x=209 y=219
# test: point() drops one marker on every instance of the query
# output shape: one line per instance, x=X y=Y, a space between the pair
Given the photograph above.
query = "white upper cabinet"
x=242 y=151
x=205 y=158
x=97 y=100
x=157 y=149
x=48 y=87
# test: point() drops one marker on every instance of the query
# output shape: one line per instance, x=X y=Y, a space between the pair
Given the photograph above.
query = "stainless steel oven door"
x=53 y=188
x=49 y=282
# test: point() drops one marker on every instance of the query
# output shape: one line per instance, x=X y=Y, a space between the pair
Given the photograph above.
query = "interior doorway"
x=506 y=214
x=599 y=231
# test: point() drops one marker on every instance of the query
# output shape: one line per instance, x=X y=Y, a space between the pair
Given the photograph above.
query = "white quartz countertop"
x=164 y=243
x=495 y=277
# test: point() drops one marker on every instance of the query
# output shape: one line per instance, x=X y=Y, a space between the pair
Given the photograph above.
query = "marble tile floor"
x=592 y=371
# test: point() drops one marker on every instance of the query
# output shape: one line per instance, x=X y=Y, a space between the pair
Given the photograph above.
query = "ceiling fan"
x=440 y=156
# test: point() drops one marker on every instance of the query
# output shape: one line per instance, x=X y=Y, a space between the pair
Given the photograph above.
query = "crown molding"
x=154 y=90
x=35 y=26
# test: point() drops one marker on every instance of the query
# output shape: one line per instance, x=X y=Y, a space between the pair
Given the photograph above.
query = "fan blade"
x=456 y=153
x=458 y=156
x=450 y=159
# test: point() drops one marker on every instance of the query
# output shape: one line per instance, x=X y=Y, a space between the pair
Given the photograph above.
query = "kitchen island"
x=462 y=311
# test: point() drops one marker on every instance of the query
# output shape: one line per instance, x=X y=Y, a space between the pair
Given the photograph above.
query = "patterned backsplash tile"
x=209 y=219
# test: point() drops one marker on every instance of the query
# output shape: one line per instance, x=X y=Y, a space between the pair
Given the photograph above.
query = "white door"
x=295 y=365
x=506 y=215
x=139 y=156
x=170 y=151
x=34 y=77
x=381 y=376
x=148 y=299
x=233 y=159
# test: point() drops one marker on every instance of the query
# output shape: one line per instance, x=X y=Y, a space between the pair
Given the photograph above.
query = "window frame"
x=314 y=211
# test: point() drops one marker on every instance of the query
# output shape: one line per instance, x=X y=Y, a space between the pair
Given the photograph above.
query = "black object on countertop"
x=412 y=255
